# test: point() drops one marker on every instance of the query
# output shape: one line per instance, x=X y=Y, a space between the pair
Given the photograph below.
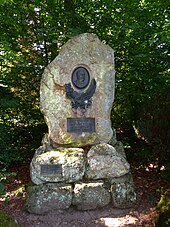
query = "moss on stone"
x=163 y=210
x=79 y=141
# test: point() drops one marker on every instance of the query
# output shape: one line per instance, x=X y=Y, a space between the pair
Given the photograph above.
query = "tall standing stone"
x=96 y=60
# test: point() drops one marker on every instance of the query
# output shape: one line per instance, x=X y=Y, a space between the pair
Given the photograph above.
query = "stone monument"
x=80 y=161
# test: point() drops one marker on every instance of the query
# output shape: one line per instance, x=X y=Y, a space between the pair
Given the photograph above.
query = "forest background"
x=32 y=33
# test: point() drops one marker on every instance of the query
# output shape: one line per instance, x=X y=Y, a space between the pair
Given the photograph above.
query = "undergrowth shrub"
x=153 y=126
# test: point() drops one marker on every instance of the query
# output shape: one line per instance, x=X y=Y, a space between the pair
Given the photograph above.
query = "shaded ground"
x=143 y=214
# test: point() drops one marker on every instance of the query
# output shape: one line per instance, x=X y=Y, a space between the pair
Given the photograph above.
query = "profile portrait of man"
x=80 y=78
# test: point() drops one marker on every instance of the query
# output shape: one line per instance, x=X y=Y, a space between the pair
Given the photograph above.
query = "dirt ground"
x=101 y=217
x=142 y=214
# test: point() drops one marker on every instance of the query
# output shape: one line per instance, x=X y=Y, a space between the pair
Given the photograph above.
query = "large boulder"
x=123 y=192
x=90 y=195
x=103 y=162
x=47 y=197
x=59 y=165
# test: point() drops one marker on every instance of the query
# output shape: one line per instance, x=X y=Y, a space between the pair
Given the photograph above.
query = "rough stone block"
x=122 y=192
x=90 y=195
x=60 y=165
x=105 y=162
x=44 y=198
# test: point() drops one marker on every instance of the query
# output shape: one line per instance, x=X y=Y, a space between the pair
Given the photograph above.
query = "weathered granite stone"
x=60 y=165
x=87 y=51
x=118 y=145
x=122 y=191
x=44 y=198
x=105 y=162
x=90 y=195
x=120 y=148
x=113 y=140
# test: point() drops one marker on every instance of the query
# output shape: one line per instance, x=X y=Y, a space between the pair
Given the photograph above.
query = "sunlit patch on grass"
x=162 y=168
x=153 y=166
x=18 y=192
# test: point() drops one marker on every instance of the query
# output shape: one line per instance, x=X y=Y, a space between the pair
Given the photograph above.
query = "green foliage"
x=166 y=174
x=19 y=143
x=6 y=220
x=163 y=210
x=137 y=151
x=154 y=125
x=4 y=174
x=2 y=189
x=32 y=33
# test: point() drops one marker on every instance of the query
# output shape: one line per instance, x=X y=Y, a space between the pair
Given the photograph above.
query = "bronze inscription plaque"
x=79 y=125
x=51 y=169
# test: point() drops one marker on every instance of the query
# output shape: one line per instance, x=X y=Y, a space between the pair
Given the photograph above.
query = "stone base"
x=122 y=192
x=70 y=176
x=83 y=195
x=46 y=197
x=71 y=165
x=88 y=196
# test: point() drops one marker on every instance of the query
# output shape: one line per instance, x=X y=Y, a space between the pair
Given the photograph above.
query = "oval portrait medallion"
x=80 y=77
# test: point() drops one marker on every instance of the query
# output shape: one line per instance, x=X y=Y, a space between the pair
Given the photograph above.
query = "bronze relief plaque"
x=80 y=78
